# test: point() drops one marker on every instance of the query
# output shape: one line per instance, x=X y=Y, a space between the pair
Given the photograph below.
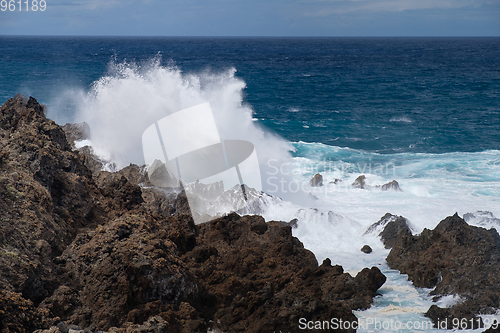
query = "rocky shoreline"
x=454 y=259
x=85 y=250
x=82 y=249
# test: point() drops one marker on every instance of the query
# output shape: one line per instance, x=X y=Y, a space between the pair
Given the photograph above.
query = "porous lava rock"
x=388 y=228
x=98 y=250
x=454 y=259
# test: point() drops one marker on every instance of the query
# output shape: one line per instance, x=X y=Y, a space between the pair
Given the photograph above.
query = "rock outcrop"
x=454 y=259
x=391 y=186
x=366 y=249
x=77 y=132
x=95 y=250
x=360 y=183
x=316 y=181
x=388 y=228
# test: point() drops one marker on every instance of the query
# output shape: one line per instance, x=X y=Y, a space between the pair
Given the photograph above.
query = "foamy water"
x=433 y=187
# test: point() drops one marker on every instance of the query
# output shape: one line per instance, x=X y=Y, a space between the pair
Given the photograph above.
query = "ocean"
x=422 y=111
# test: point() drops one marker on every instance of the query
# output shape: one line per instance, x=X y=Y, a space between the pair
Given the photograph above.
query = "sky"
x=252 y=17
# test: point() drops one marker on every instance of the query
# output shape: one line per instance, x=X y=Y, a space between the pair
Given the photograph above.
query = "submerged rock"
x=317 y=180
x=366 y=249
x=454 y=259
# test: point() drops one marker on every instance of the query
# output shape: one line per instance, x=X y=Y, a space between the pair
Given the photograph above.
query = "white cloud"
x=346 y=6
x=87 y=4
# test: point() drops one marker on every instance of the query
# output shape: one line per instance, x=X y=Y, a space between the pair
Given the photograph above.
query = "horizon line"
x=252 y=36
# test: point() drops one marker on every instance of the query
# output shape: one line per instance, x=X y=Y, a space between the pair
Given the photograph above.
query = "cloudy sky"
x=256 y=18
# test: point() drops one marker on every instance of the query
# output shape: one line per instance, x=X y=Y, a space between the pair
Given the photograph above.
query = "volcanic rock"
x=360 y=182
x=76 y=132
x=99 y=251
x=481 y=218
x=391 y=186
x=454 y=259
x=268 y=280
x=366 y=249
x=388 y=228
x=316 y=181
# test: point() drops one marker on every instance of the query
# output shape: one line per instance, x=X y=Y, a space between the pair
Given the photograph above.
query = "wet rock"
x=481 y=218
x=254 y=270
x=76 y=132
x=317 y=180
x=91 y=161
x=294 y=223
x=391 y=186
x=459 y=316
x=388 y=228
x=366 y=249
x=454 y=259
x=360 y=182
x=94 y=249
x=160 y=176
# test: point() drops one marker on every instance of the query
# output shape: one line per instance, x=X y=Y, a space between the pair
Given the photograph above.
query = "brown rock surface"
x=98 y=251
x=455 y=259
x=316 y=180
x=388 y=228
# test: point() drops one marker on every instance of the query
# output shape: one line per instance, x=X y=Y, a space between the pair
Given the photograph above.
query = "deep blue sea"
x=422 y=111
x=430 y=95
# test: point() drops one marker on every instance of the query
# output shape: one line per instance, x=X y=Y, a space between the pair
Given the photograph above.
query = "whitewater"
x=331 y=219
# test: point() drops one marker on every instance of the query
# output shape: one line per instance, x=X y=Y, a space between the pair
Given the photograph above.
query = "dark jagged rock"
x=481 y=218
x=459 y=316
x=91 y=161
x=95 y=250
x=388 y=228
x=391 y=186
x=366 y=249
x=76 y=132
x=360 y=182
x=46 y=195
x=268 y=280
x=454 y=259
x=294 y=223
x=316 y=181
